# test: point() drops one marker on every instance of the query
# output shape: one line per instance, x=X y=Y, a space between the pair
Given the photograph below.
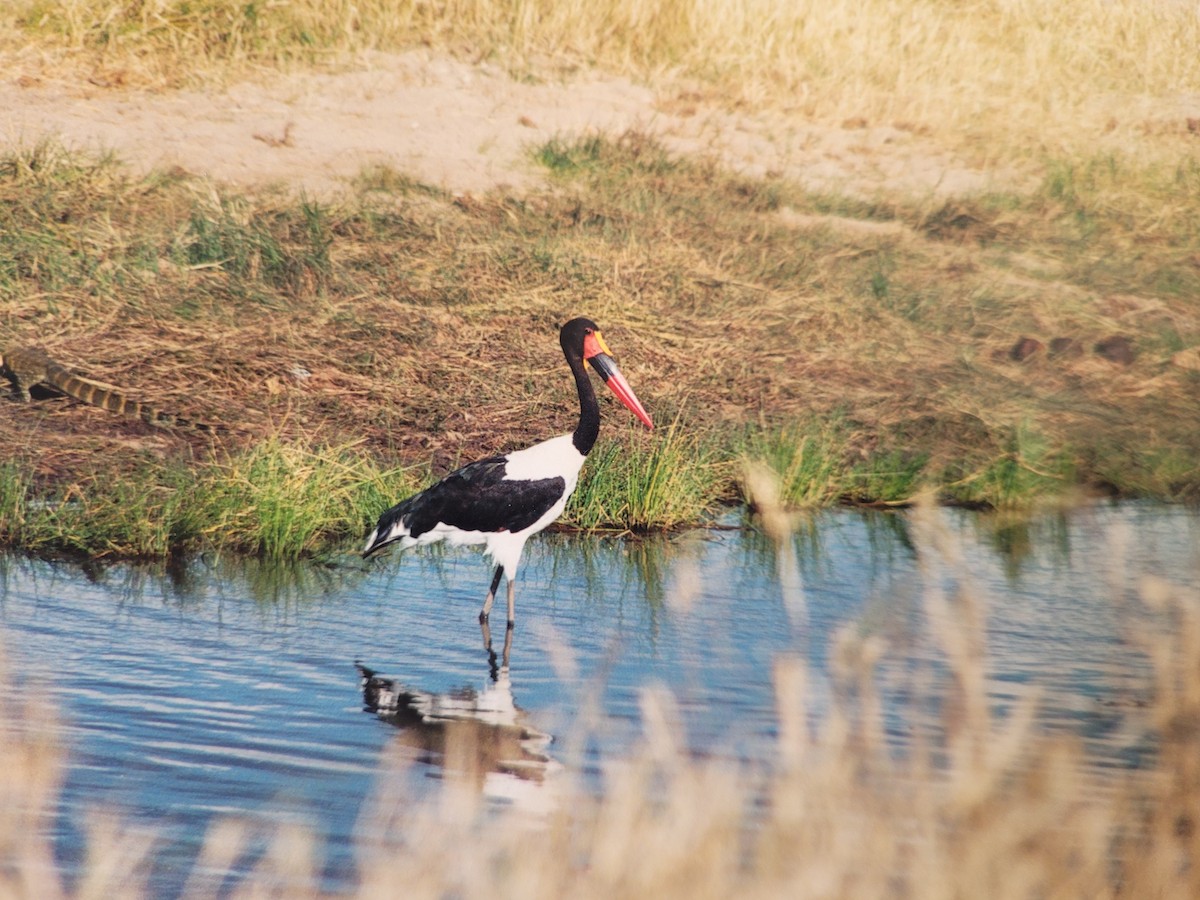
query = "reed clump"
x=639 y=484
x=282 y=501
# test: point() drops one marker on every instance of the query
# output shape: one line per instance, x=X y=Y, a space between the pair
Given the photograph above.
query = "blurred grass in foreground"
x=972 y=802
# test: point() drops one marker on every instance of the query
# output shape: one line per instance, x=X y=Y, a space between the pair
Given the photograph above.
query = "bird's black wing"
x=477 y=497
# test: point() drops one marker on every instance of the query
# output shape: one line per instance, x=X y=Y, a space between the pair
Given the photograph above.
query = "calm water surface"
x=230 y=689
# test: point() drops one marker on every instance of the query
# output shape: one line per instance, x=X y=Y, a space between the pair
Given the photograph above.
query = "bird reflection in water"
x=478 y=735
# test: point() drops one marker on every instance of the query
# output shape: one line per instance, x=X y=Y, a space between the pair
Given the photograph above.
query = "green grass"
x=570 y=157
x=815 y=464
x=145 y=515
x=14 y=499
x=279 y=501
x=665 y=481
x=150 y=514
x=1028 y=466
x=275 y=501
x=808 y=459
x=890 y=477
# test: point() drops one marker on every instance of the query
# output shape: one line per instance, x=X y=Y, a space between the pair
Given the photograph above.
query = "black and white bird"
x=502 y=500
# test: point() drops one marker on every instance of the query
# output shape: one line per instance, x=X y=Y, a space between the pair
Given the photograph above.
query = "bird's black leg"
x=487 y=604
x=495 y=664
x=486 y=631
x=507 y=648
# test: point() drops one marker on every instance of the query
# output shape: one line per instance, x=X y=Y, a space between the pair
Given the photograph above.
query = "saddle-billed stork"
x=502 y=500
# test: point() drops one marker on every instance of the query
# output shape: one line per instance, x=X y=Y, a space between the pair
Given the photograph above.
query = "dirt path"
x=463 y=127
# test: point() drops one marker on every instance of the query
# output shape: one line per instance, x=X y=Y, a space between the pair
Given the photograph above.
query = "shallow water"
x=230 y=688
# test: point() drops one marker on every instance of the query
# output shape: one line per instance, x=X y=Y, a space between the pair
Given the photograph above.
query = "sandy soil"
x=463 y=127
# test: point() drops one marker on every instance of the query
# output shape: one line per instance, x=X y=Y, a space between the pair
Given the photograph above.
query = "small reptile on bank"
x=25 y=367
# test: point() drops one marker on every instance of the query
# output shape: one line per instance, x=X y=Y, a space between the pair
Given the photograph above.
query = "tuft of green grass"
x=14 y=499
x=277 y=501
x=149 y=514
x=57 y=211
x=386 y=179
x=1121 y=224
x=1029 y=466
x=1164 y=473
x=664 y=480
x=565 y=156
x=283 y=250
x=815 y=464
x=891 y=476
x=283 y=501
x=808 y=459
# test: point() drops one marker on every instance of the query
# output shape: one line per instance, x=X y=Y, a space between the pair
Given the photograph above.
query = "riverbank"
x=866 y=352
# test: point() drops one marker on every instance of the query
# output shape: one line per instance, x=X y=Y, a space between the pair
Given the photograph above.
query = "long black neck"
x=588 y=428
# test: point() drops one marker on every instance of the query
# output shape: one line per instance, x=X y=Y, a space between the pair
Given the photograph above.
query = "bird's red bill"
x=621 y=388
x=606 y=367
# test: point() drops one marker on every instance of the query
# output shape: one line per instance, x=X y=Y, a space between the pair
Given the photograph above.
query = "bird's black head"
x=581 y=341
x=574 y=333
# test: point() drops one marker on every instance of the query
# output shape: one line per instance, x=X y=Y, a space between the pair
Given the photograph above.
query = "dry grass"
x=1007 y=78
x=974 y=802
x=962 y=348
x=915 y=343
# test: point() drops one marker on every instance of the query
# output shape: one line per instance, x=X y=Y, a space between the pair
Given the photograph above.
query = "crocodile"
x=28 y=366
